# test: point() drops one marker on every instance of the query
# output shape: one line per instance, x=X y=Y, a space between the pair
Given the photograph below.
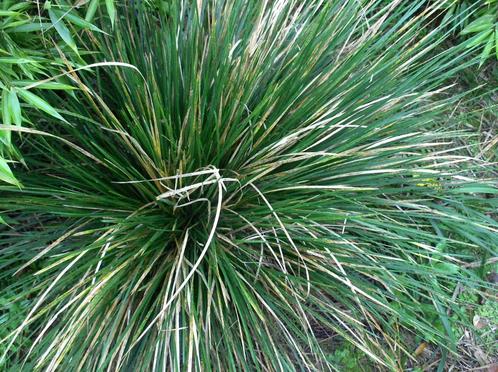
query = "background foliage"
x=477 y=22
x=37 y=40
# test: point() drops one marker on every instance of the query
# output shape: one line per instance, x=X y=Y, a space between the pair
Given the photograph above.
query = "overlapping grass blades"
x=274 y=173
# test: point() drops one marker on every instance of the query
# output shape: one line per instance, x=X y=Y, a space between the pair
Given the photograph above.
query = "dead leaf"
x=420 y=349
x=480 y=322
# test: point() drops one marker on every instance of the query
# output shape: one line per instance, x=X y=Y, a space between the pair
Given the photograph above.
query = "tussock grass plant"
x=242 y=179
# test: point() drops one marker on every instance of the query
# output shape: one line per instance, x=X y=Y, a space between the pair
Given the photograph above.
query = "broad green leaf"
x=480 y=24
x=92 y=8
x=5 y=136
x=111 y=10
x=6 y=174
x=21 y=6
x=52 y=85
x=2 y=221
x=6 y=115
x=15 y=107
x=15 y=60
x=478 y=39
x=62 y=30
x=19 y=23
x=39 y=103
x=29 y=27
x=487 y=50
x=9 y=13
x=74 y=19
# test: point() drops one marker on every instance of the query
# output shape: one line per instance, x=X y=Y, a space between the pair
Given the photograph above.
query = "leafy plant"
x=36 y=41
x=235 y=178
x=477 y=21
x=348 y=359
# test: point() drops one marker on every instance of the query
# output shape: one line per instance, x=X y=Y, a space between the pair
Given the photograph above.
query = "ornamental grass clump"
x=236 y=183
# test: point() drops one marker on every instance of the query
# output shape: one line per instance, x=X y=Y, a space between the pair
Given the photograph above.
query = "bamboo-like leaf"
x=111 y=10
x=15 y=60
x=9 y=13
x=15 y=107
x=6 y=174
x=51 y=85
x=478 y=39
x=29 y=27
x=62 y=30
x=488 y=48
x=5 y=136
x=39 y=103
x=6 y=110
x=482 y=23
x=92 y=8
x=76 y=20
